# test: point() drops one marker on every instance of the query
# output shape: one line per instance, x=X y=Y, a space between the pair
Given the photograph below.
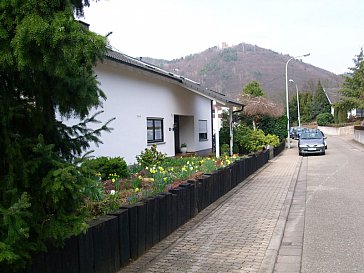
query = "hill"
x=228 y=70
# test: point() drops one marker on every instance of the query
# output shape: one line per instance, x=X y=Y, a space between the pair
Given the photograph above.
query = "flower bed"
x=112 y=241
x=151 y=177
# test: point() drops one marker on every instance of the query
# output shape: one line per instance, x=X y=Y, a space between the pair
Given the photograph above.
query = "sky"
x=332 y=31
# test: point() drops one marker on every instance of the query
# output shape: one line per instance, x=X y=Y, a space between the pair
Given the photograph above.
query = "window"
x=359 y=112
x=202 y=130
x=154 y=130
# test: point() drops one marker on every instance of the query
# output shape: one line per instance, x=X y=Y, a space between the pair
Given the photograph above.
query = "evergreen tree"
x=321 y=101
x=46 y=67
x=353 y=87
x=305 y=106
x=293 y=114
x=253 y=88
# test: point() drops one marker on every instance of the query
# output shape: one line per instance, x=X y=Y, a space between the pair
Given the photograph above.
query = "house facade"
x=153 y=106
x=333 y=95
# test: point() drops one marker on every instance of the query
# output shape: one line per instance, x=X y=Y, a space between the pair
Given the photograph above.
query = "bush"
x=48 y=211
x=106 y=166
x=274 y=126
x=254 y=140
x=150 y=157
x=225 y=149
x=324 y=119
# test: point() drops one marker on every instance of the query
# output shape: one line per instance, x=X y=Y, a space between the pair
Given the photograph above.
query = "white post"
x=287 y=105
x=231 y=130
x=298 y=108
x=217 y=133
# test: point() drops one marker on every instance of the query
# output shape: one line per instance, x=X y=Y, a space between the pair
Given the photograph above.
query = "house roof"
x=177 y=79
x=333 y=95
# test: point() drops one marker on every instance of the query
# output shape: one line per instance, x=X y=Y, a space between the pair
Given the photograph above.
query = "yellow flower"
x=113 y=180
x=184 y=168
x=140 y=177
x=165 y=178
x=191 y=168
x=136 y=189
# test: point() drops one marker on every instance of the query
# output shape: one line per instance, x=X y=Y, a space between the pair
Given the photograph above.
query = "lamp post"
x=287 y=106
x=298 y=104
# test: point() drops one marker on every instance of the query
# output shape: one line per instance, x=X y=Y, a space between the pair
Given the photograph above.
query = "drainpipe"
x=231 y=130
x=217 y=133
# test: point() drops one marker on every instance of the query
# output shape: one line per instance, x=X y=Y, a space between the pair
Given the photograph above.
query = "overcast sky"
x=331 y=30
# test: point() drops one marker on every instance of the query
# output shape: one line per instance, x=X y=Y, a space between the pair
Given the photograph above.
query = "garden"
x=116 y=184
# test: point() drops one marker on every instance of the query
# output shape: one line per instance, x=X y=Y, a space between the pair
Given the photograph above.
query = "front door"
x=176 y=134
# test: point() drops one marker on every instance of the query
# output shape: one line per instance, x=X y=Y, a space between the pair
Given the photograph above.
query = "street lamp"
x=287 y=106
x=298 y=104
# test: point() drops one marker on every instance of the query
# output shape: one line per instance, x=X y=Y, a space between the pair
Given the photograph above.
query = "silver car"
x=311 y=142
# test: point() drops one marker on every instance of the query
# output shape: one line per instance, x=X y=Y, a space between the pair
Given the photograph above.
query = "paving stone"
x=234 y=233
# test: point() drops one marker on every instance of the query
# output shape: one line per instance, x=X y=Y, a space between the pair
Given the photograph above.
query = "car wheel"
x=323 y=152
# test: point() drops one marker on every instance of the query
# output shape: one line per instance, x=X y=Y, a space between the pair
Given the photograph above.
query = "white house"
x=334 y=96
x=153 y=106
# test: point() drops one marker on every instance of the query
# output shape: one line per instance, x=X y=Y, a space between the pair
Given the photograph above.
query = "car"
x=319 y=131
x=311 y=142
x=295 y=132
x=292 y=132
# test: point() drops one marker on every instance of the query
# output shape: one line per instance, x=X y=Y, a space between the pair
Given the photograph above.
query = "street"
x=297 y=214
x=334 y=215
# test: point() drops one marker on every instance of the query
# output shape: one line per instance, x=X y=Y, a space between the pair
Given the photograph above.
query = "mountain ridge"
x=229 y=69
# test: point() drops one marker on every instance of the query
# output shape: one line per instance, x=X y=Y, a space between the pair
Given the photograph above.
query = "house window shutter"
x=202 y=130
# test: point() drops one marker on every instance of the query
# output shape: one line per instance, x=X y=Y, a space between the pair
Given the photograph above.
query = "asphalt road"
x=334 y=214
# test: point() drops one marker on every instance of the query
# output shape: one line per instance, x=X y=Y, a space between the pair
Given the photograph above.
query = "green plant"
x=150 y=157
x=254 y=140
x=272 y=140
x=183 y=145
x=274 y=126
x=225 y=149
x=108 y=166
x=47 y=61
x=324 y=119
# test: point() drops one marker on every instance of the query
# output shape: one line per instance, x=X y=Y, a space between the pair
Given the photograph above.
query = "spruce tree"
x=322 y=99
x=46 y=67
x=254 y=89
x=353 y=87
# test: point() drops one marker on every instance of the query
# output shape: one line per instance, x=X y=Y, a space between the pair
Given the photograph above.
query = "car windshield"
x=314 y=135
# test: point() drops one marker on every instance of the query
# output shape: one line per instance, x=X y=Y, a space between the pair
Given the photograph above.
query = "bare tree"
x=257 y=107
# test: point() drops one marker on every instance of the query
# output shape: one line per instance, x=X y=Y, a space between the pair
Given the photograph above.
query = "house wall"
x=133 y=96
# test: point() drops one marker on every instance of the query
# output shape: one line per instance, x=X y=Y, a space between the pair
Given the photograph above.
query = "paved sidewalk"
x=240 y=232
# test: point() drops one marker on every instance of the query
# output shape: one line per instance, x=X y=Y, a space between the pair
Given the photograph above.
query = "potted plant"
x=183 y=148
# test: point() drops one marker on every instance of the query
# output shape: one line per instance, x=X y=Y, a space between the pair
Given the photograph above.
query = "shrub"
x=48 y=211
x=272 y=140
x=150 y=157
x=225 y=149
x=324 y=119
x=106 y=166
x=254 y=140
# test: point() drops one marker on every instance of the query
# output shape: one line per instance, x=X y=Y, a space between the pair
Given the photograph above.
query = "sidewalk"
x=240 y=232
